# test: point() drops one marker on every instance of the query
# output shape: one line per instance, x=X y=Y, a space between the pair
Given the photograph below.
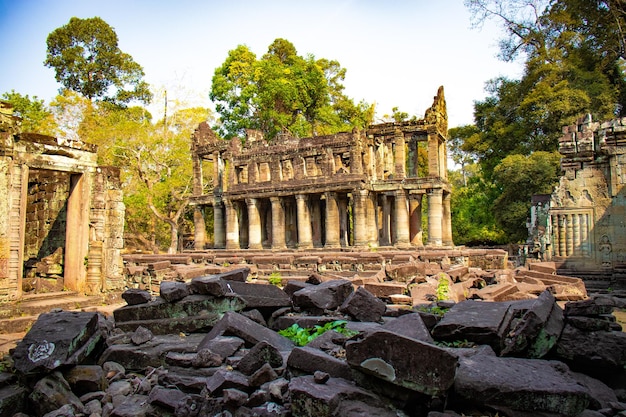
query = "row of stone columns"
x=399 y=209
x=571 y=234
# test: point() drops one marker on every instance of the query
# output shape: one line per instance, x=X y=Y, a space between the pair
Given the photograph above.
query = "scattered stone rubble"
x=210 y=347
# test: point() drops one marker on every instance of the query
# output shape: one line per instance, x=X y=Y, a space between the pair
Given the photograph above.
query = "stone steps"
x=17 y=317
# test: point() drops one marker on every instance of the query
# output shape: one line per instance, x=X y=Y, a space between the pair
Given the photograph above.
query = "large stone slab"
x=598 y=353
x=309 y=360
x=474 y=321
x=56 y=339
x=336 y=397
x=325 y=296
x=152 y=353
x=235 y=324
x=403 y=361
x=409 y=325
x=260 y=296
x=191 y=314
x=531 y=385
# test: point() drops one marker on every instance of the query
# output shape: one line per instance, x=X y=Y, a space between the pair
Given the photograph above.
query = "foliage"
x=302 y=336
x=456 y=344
x=275 y=279
x=86 y=59
x=573 y=52
x=434 y=309
x=517 y=178
x=35 y=116
x=283 y=92
x=443 y=287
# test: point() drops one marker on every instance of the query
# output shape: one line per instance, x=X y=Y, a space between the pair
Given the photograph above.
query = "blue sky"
x=397 y=53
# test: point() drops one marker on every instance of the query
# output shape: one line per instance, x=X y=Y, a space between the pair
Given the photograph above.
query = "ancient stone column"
x=254 y=225
x=361 y=235
x=385 y=236
x=219 y=228
x=584 y=230
x=433 y=154
x=332 y=221
x=199 y=228
x=304 y=223
x=371 y=223
x=278 y=224
x=400 y=155
x=415 y=220
x=569 y=235
x=576 y=232
x=402 y=219
x=435 y=215
x=562 y=244
x=446 y=222
x=232 y=226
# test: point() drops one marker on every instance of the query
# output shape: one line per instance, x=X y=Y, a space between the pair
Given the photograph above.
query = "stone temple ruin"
x=582 y=225
x=299 y=193
x=61 y=215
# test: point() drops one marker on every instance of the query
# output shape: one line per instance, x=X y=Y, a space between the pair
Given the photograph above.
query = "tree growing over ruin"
x=86 y=59
x=36 y=117
x=283 y=92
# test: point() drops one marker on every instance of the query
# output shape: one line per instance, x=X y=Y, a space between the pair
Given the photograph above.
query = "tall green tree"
x=36 y=117
x=86 y=59
x=283 y=92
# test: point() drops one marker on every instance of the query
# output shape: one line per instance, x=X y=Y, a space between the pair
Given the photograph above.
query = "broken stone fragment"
x=403 y=361
x=362 y=305
x=172 y=291
x=325 y=296
x=261 y=353
x=409 y=325
x=308 y=360
x=141 y=335
x=533 y=331
x=235 y=324
x=475 y=321
x=51 y=393
x=84 y=379
x=134 y=296
x=335 y=397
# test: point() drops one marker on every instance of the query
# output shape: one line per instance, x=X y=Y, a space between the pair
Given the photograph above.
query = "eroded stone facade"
x=55 y=199
x=588 y=208
x=355 y=189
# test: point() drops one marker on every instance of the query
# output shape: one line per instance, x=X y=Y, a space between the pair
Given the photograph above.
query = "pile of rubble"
x=211 y=347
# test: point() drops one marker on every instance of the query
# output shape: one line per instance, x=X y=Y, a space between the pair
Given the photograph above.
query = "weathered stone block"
x=362 y=305
x=403 y=361
x=56 y=339
x=336 y=397
x=235 y=324
x=309 y=360
x=325 y=296
x=530 y=385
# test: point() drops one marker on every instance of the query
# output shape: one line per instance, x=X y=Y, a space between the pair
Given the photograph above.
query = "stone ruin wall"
x=54 y=194
x=588 y=208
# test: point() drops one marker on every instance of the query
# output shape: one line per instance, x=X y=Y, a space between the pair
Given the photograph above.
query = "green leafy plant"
x=443 y=288
x=434 y=309
x=457 y=344
x=302 y=336
x=275 y=279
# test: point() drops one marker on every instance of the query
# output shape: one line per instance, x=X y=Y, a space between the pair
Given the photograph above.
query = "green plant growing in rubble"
x=275 y=279
x=302 y=336
x=443 y=288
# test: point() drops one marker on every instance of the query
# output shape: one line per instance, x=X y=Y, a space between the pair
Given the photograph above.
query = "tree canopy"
x=86 y=59
x=283 y=92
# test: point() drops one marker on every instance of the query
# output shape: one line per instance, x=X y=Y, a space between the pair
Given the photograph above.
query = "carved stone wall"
x=53 y=195
x=588 y=208
x=351 y=189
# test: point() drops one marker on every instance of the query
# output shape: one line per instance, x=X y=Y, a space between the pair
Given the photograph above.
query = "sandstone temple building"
x=582 y=224
x=61 y=215
x=358 y=189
